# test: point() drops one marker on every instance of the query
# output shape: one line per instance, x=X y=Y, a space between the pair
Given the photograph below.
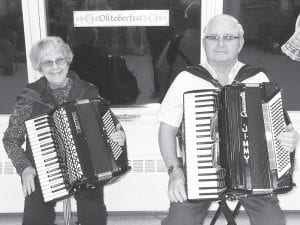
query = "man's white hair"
x=225 y=17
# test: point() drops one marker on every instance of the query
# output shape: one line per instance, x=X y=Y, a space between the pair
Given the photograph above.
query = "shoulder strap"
x=186 y=59
x=201 y=72
x=173 y=48
x=33 y=95
x=246 y=72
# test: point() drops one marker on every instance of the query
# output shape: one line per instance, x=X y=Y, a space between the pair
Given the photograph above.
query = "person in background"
x=89 y=62
x=182 y=50
x=292 y=47
x=7 y=53
x=222 y=42
x=276 y=28
x=50 y=56
x=157 y=38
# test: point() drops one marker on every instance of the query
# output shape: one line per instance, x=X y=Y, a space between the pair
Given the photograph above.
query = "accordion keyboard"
x=275 y=124
x=205 y=179
x=46 y=160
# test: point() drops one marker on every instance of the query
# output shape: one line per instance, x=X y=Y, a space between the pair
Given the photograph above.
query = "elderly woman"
x=52 y=57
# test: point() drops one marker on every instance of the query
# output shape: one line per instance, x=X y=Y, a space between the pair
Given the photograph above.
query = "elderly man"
x=222 y=41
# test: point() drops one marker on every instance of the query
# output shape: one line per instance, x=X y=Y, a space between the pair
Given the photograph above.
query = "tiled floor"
x=293 y=218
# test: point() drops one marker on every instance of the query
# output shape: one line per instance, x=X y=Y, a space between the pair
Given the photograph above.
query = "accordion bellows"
x=292 y=47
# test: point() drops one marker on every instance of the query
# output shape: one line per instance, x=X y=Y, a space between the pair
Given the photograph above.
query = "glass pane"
x=268 y=24
x=13 y=69
x=140 y=47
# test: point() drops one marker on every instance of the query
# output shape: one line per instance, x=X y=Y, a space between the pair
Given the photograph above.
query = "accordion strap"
x=247 y=71
x=34 y=96
x=201 y=72
x=244 y=73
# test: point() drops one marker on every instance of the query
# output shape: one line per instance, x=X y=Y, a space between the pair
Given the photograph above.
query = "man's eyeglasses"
x=226 y=38
x=49 y=63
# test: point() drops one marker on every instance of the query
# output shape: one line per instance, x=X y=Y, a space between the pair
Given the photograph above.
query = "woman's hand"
x=28 y=184
x=118 y=136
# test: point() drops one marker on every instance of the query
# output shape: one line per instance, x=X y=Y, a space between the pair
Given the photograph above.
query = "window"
x=13 y=69
x=140 y=47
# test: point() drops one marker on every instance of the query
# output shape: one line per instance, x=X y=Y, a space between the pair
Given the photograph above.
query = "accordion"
x=72 y=148
x=229 y=142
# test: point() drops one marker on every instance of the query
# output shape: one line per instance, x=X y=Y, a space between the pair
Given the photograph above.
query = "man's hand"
x=176 y=189
x=28 y=184
x=118 y=136
x=289 y=138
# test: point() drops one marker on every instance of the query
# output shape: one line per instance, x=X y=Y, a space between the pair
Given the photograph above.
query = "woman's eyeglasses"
x=49 y=63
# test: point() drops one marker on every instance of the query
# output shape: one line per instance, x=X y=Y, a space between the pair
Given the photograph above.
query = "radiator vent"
x=7 y=168
x=147 y=166
x=160 y=166
x=137 y=166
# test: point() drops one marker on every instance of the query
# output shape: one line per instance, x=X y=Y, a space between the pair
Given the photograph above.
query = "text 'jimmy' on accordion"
x=230 y=145
x=72 y=149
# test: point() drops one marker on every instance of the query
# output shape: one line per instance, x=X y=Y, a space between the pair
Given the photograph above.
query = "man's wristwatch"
x=171 y=168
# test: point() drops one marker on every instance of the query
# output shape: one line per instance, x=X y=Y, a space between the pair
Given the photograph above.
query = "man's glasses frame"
x=227 y=38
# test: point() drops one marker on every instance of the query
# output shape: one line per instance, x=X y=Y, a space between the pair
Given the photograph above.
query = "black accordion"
x=72 y=150
x=229 y=142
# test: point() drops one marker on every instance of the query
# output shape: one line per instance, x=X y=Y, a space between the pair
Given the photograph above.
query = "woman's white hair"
x=225 y=17
x=40 y=48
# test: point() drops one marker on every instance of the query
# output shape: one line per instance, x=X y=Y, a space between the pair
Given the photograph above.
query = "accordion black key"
x=230 y=145
x=72 y=149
